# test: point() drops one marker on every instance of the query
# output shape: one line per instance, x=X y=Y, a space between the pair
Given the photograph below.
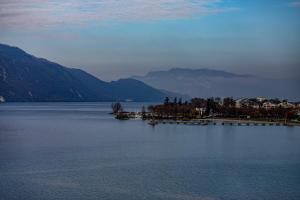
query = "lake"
x=78 y=151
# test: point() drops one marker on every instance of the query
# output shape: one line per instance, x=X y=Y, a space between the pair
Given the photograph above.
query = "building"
x=297 y=105
x=269 y=105
x=286 y=104
x=201 y=111
x=254 y=103
x=2 y=99
x=240 y=102
x=261 y=99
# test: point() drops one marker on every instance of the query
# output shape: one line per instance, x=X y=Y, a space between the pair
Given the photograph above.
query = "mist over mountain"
x=207 y=83
x=24 y=77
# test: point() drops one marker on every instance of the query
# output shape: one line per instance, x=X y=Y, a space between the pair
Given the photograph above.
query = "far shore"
x=251 y=121
x=220 y=120
x=229 y=121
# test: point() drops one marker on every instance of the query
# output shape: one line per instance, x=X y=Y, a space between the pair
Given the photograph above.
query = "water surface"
x=79 y=151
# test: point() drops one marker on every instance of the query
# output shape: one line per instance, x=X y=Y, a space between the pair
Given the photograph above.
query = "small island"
x=226 y=111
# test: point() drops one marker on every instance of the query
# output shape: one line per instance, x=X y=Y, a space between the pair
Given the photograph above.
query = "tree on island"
x=143 y=112
x=167 y=100
x=180 y=101
x=151 y=108
x=116 y=107
x=175 y=100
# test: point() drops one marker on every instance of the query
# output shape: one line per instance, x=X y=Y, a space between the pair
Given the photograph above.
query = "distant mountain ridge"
x=24 y=78
x=207 y=83
x=195 y=72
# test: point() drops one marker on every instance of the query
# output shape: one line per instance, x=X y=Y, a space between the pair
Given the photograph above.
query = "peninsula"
x=244 y=111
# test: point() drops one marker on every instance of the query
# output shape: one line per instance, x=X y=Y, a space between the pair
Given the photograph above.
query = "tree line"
x=213 y=107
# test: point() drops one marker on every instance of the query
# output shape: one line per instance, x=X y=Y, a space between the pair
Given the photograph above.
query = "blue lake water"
x=79 y=151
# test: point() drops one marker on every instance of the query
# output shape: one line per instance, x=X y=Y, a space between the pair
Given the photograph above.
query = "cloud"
x=53 y=12
x=295 y=4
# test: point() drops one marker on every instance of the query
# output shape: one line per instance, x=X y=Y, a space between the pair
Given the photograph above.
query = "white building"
x=201 y=111
x=269 y=105
x=286 y=104
x=261 y=99
x=2 y=99
x=240 y=102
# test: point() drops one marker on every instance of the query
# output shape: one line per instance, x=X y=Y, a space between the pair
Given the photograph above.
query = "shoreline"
x=251 y=121
x=224 y=121
x=207 y=121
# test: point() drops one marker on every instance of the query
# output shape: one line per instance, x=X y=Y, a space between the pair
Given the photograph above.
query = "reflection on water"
x=79 y=151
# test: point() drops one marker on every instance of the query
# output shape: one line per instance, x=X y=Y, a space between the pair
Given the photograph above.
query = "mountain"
x=208 y=83
x=24 y=78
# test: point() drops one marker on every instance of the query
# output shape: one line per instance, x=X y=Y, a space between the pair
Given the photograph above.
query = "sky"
x=115 y=39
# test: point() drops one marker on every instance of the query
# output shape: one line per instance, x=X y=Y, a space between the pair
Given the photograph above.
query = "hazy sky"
x=119 y=38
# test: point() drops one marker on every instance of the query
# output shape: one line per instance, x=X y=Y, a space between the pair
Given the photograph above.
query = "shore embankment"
x=224 y=121
x=153 y=120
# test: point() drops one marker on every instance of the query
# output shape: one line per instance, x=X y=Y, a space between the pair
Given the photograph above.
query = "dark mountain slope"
x=122 y=90
x=24 y=77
